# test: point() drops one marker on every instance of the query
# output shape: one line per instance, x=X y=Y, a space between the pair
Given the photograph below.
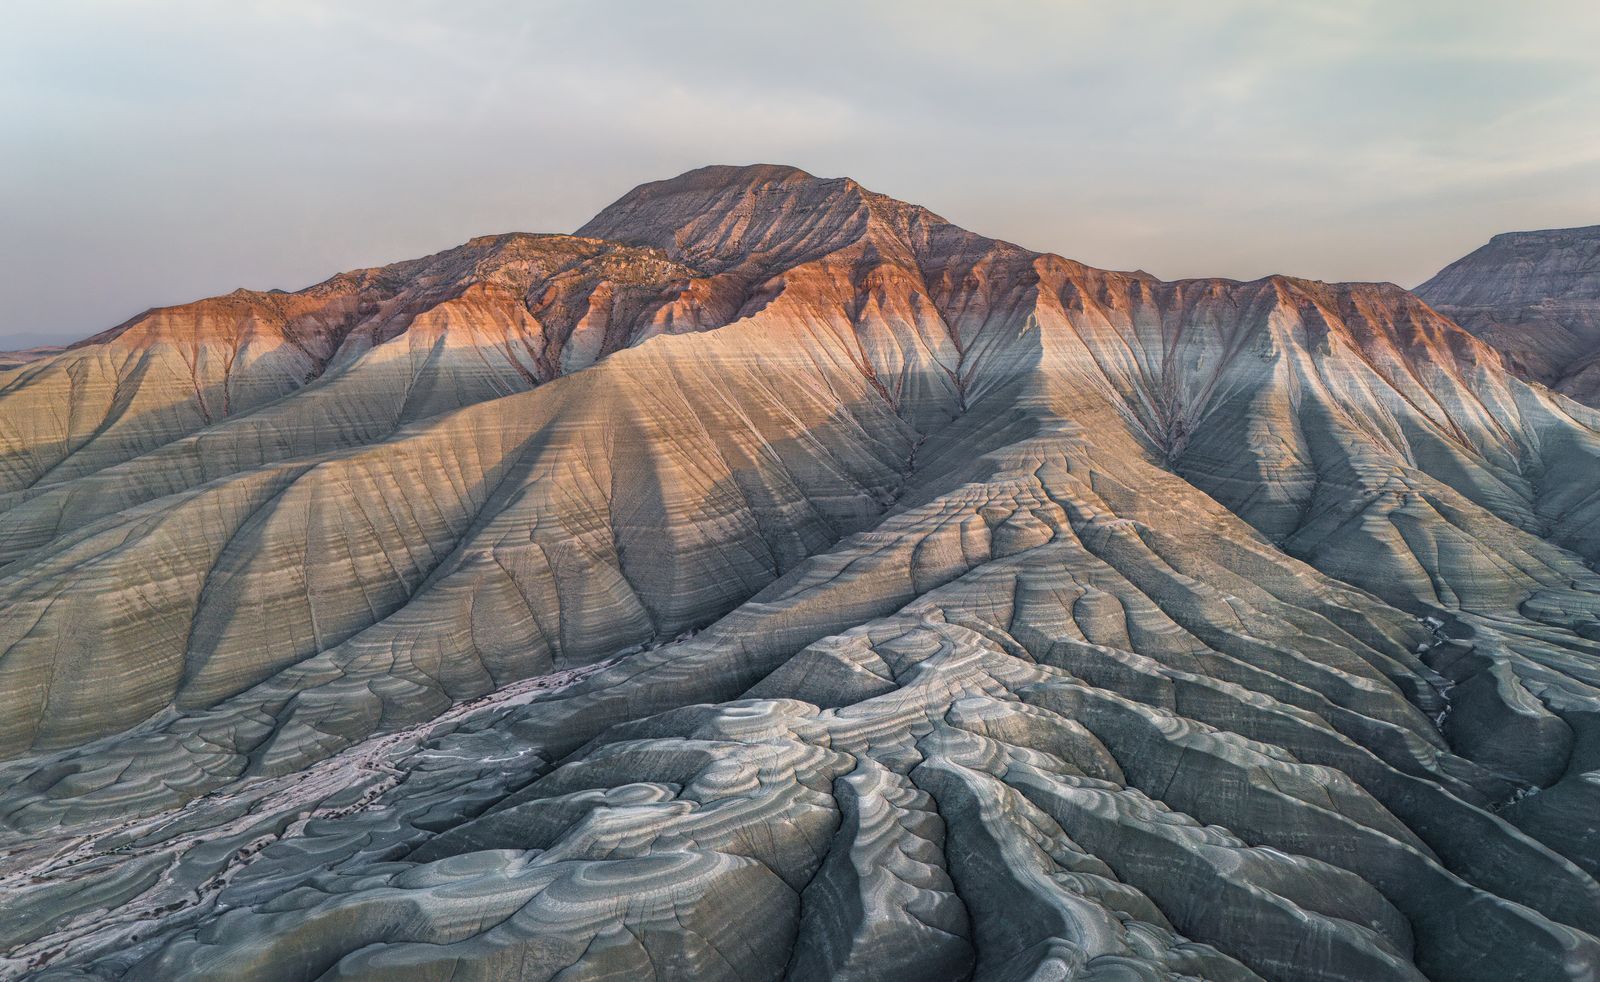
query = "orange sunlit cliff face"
x=773 y=579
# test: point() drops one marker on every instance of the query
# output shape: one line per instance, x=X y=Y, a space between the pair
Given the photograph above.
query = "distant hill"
x=1535 y=296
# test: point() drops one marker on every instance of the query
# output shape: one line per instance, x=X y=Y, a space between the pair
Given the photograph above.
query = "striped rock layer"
x=774 y=580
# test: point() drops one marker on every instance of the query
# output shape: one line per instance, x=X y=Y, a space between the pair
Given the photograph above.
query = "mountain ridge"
x=894 y=599
x=725 y=179
x=891 y=309
x=1535 y=295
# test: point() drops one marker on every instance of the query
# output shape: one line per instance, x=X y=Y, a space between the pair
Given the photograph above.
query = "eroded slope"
x=1536 y=297
x=1054 y=620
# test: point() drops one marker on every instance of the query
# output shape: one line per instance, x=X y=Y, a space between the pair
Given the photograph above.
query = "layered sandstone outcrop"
x=1535 y=296
x=776 y=580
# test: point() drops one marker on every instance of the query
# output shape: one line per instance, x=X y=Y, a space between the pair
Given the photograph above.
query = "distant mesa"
x=1535 y=296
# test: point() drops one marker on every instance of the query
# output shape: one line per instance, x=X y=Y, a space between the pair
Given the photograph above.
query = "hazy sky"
x=158 y=151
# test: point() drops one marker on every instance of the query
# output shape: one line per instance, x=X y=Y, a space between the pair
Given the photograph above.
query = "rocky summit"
x=774 y=580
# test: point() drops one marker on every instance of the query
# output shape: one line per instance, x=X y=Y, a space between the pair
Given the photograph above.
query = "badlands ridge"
x=773 y=580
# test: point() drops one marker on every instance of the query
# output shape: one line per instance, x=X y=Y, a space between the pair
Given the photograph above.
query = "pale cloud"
x=160 y=150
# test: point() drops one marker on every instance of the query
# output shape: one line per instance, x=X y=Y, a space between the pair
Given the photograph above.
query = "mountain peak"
x=730 y=175
x=1522 y=268
x=825 y=535
x=720 y=216
x=1548 y=234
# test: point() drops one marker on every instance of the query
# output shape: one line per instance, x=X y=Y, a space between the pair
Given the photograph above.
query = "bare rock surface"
x=1535 y=296
x=775 y=580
